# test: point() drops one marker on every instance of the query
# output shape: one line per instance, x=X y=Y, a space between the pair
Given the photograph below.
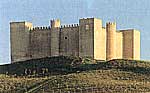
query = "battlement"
x=53 y=20
x=111 y=23
x=86 y=18
x=55 y=23
x=40 y=28
x=69 y=26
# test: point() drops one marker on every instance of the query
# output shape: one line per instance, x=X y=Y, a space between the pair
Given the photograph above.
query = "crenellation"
x=41 y=28
x=36 y=28
x=55 y=23
x=111 y=23
x=87 y=18
x=86 y=39
x=69 y=26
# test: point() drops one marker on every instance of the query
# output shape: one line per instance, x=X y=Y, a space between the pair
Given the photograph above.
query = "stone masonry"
x=86 y=39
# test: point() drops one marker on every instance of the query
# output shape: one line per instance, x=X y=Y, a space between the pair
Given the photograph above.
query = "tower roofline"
x=18 y=22
x=90 y=18
x=128 y=30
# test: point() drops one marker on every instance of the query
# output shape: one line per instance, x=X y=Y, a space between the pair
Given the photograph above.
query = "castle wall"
x=19 y=36
x=86 y=35
x=69 y=41
x=119 y=45
x=40 y=43
x=99 y=40
x=111 y=41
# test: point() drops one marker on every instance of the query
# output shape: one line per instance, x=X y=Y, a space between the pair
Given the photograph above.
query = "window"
x=65 y=37
x=87 y=27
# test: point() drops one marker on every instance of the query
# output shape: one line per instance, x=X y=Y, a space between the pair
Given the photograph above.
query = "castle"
x=86 y=39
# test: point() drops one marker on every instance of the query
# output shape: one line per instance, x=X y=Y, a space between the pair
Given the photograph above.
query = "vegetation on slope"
x=42 y=66
x=103 y=80
x=74 y=75
x=9 y=84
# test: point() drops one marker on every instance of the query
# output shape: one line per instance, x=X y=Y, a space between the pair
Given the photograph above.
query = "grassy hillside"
x=41 y=66
x=74 y=74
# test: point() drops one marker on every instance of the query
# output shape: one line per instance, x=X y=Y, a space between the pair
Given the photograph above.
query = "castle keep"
x=86 y=39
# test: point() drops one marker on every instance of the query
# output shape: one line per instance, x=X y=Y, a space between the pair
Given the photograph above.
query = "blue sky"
x=127 y=13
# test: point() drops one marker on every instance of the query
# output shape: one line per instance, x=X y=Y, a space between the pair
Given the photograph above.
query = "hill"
x=74 y=74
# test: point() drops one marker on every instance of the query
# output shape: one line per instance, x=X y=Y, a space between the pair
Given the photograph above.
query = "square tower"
x=19 y=37
x=55 y=37
x=92 y=40
x=131 y=44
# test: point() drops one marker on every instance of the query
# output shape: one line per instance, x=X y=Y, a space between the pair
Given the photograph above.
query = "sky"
x=127 y=14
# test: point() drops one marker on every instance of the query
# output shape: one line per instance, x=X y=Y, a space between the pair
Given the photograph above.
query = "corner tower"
x=111 y=41
x=131 y=44
x=19 y=38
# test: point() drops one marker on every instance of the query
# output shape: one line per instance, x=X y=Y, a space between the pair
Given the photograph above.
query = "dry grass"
x=8 y=83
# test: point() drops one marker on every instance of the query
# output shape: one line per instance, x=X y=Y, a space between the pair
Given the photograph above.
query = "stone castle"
x=86 y=39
